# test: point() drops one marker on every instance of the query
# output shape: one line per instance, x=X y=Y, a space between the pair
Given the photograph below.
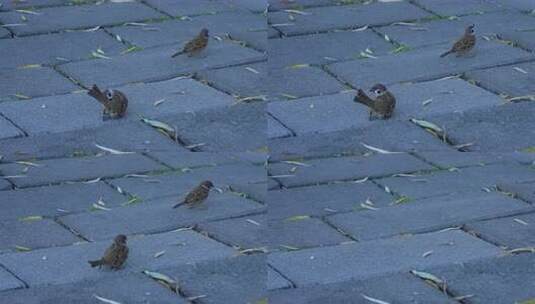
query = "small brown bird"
x=115 y=255
x=114 y=102
x=197 y=195
x=465 y=44
x=196 y=45
x=383 y=105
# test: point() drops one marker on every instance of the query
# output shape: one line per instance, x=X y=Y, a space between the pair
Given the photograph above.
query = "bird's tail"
x=177 y=53
x=96 y=93
x=179 y=204
x=363 y=99
x=446 y=54
x=95 y=263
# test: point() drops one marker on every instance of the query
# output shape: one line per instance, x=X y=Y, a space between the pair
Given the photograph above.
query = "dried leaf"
x=298 y=218
x=520 y=221
x=22 y=248
x=292 y=162
x=30 y=66
x=104 y=300
x=31 y=218
x=99 y=55
x=291 y=11
x=427 y=125
x=250 y=69
x=158 y=102
x=366 y=206
x=378 y=150
x=99 y=207
x=159 y=277
x=520 y=70
x=427 y=253
x=159 y=125
x=299 y=66
x=428 y=277
x=159 y=254
x=374 y=300
x=360 y=29
x=112 y=151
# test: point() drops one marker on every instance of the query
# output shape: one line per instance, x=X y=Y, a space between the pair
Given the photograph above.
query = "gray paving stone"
x=41 y=115
x=240 y=81
x=504 y=128
x=189 y=7
x=447 y=160
x=157 y=64
x=446 y=31
x=395 y=288
x=256 y=6
x=244 y=232
x=297 y=233
x=524 y=39
x=275 y=129
x=256 y=39
x=396 y=68
x=324 y=200
x=8 y=130
x=72 y=169
x=133 y=288
x=124 y=136
x=275 y=5
x=507 y=80
x=302 y=82
x=315 y=114
x=344 y=168
x=472 y=179
x=524 y=5
x=33 y=234
x=522 y=191
x=235 y=129
x=181 y=160
x=4 y=184
x=32 y=82
x=459 y=7
x=57 y=48
x=444 y=96
x=56 y=200
x=4 y=33
x=324 y=48
x=177 y=184
x=501 y=280
x=173 y=31
x=425 y=216
x=68 y=264
x=350 y=16
x=385 y=135
x=239 y=279
x=512 y=232
x=8 y=281
x=157 y=216
x=362 y=260
x=276 y=281
x=11 y=5
x=77 y=17
x=257 y=192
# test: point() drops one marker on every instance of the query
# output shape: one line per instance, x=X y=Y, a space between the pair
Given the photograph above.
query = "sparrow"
x=115 y=255
x=197 y=195
x=114 y=102
x=383 y=105
x=196 y=45
x=465 y=44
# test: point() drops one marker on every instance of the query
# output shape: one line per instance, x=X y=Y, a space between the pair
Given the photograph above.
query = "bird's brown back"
x=115 y=255
x=385 y=104
x=197 y=44
x=196 y=196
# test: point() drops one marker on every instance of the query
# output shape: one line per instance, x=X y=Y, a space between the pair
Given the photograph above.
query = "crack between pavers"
x=26 y=285
x=58 y=221
x=292 y=132
x=352 y=179
x=274 y=269
x=24 y=133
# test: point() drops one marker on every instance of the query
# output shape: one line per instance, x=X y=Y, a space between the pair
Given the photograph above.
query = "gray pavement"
x=314 y=203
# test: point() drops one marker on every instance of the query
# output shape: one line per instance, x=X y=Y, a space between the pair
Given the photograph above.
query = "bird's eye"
x=109 y=95
x=378 y=92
